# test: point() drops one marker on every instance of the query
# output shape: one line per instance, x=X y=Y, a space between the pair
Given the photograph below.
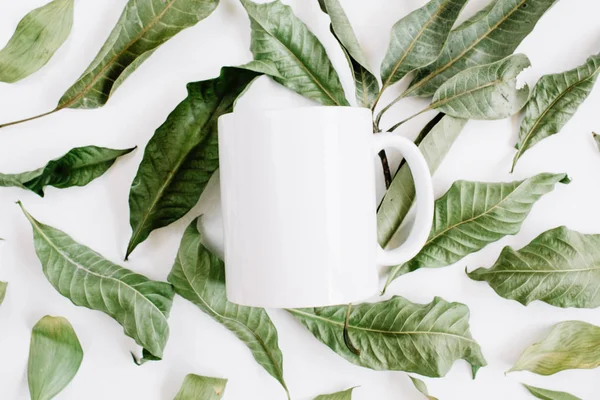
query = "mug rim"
x=269 y=113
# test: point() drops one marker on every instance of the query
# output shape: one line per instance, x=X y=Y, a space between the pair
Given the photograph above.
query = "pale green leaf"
x=196 y=387
x=484 y=92
x=199 y=276
x=280 y=37
x=398 y=335
x=78 y=167
x=435 y=142
x=345 y=395
x=596 y=139
x=3 y=286
x=83 y=276
x=143 y=26
x=570 y=345
x=365 y=82
x=37 y=37
x=472 y=215
x=554 y=101
x=491 y=35
x=421 y=387
x=418 y=39
x=560 y=267
x=545 y=394
x=55 y=355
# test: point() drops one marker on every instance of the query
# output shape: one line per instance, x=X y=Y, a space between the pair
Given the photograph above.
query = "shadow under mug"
x=299 y=206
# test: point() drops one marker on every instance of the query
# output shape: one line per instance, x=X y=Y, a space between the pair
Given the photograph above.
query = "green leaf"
x=78 y=167
x=199 y=276
x=472 y=215
x=280 y=37
x=37 y=37
x=418 y=39
x=144 y=25
x=3 y=286
x=421 y=387
x=183 y=153
x=54 y=357
x=484 y=92
x=345 y=395
x=491 y=35
x=398 y=335
x=554 y=101
x=560 y=267
x=435 y=142
x=570 y=345
x=83 y=276
x=196 y=387
x=545 y=394
x=365 y=82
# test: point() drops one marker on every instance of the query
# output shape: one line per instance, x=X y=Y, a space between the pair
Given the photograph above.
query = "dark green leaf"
x=484 y=92
x=570 y=345
x=472 y=215
x=560 y=267
x=54 y=357
x=365 y=82
x=345 y=395
x=78 y=167
x=199 y=276
x=196 y=387
x=491 y=35
x=280 y=37
x=183 y=153
x=142 y=28
x=554 y=101
x=545 y=394
x=435 y=142
x=418 y=39
x=140 y=305
x=398 y=335
x=35 y=40
x=421 y=387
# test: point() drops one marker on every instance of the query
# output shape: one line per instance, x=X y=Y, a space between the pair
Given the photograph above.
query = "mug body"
x=298 y=198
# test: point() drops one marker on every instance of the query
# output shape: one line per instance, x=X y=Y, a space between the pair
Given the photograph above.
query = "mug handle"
x=424 y=200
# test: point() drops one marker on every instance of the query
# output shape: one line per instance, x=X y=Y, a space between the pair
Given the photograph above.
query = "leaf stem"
x=393 y=128
x=30 y=118
x=397 y=99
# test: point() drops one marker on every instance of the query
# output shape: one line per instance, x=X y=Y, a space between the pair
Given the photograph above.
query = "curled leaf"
x=37 y=37
x=484 y=92
x=183 y=153
x=196 y=387
x=83 y=276
x=472 y=215
x=421 y=387
x=398 y=335
x=554 y=101
x=78 y=167
x=489 y=36
x=560 y=267
x=280 y=37
x=54 y=357
x=570 y=345
x=545 y=394
x=199 y=276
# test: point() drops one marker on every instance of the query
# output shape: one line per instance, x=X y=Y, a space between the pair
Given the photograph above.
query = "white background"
x=97 y=215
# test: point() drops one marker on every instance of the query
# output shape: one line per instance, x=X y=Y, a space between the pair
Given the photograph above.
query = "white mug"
x=299 y=206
